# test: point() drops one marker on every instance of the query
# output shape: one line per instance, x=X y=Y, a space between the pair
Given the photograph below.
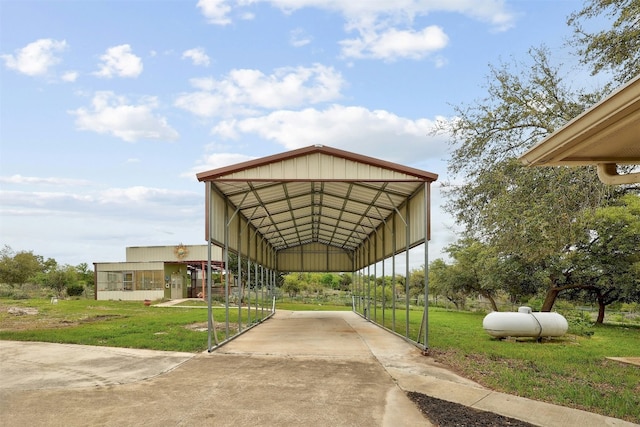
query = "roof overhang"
x=606 y=135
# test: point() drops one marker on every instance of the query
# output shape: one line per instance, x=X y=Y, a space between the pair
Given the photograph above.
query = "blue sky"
x=108 y=109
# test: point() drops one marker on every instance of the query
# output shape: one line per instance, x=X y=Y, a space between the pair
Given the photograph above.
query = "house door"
x=176 y=286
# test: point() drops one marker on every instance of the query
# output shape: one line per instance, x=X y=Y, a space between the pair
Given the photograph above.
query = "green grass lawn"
x=571 y=371
x=117 y=324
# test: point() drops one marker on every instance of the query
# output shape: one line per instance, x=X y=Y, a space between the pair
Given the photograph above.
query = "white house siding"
x=134 y=281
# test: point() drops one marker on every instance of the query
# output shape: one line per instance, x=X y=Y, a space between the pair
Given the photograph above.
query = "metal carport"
x=319 y=209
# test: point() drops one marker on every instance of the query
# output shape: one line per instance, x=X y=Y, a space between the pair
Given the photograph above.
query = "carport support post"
x=226 y=269
x=425 y=316
x=255 y=285
x=248 y=291
x=239 y=284
x=368 y=309
x=393 y=275
x=406 y=279
x=209 y=309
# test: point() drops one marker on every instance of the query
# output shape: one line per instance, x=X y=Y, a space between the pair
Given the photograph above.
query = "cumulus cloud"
x=197 y=55
x=393 y=44
x=215 y=11
x=385 y=27
x=118 y=61
x=111 y=114
x=356 y=129
x=244 y=90
x=36 y=58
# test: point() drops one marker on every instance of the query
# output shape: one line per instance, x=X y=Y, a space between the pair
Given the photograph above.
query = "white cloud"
x=392 y=44
x=111 y=114
x=197 y=55
x=215 y=161
x=356 y=129
x=119 y=61
x=121 y=201
x=299 y=38
x=359 y=12
x=36 y=58
x=140 y=194
x=70 y=76
x=385 y=27
x=215 y=11
x=20 y=180
x=243 y=90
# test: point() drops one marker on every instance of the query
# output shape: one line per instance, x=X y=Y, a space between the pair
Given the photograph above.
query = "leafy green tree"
x=471 y=269
x=615 y=48
x=345 y=281
x=291 y=285
x=330 y=280
x=62 y=277
x=609 y=255
x=85 y=275
x=529 y=214
x=442 y=282
x=17 y=268
x=416 y=283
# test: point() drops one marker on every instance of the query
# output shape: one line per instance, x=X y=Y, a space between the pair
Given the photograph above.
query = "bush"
x=75 y=290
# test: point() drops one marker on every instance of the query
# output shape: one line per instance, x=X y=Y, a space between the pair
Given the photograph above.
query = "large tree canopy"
x=532 y=217
x=616 y=48
x=531 y=212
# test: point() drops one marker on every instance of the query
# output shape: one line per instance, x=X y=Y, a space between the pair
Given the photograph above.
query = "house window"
x=127 y=280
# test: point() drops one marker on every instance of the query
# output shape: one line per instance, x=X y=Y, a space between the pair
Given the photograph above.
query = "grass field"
x=572 y=371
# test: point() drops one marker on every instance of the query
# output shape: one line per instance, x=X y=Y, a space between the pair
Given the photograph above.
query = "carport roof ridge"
x=220 y=173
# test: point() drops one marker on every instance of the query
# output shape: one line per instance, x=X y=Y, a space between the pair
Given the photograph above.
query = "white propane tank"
x=525 y=323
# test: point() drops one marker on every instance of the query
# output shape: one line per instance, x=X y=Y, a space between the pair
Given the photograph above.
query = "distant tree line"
x=25 y=267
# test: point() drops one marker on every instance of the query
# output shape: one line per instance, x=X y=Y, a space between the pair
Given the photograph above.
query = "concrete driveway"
x=298 y=368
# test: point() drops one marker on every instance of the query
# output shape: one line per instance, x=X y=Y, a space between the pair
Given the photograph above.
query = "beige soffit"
x=606 y=135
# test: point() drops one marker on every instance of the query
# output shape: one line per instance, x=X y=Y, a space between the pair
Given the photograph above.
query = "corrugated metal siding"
x=319 y=166
x=314 y=257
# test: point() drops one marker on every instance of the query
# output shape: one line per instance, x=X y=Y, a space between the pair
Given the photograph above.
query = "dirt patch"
x=218 y=326
x=448 y=414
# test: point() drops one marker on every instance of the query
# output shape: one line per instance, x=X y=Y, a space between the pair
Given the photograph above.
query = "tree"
x=529 y=214
x=416 y=283
x=609 y=254
x=291 y=285
x=473 y=262
x=17 y=268
x=616 y=48
x=442 y=282
x=345 y=281
x=85 y=275
x=60 y=278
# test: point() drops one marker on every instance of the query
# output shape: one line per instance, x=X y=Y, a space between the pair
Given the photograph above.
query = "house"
x=156 y=272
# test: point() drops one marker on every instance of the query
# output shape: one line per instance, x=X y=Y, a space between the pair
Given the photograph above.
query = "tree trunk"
x=488 y=296
x=550 y=299
x=601 y=309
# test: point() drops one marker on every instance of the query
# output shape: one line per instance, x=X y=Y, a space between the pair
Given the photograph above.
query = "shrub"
x=75 y=290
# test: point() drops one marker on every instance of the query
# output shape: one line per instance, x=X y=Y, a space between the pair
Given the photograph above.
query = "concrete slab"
x=298 y=368
x=36 y=365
